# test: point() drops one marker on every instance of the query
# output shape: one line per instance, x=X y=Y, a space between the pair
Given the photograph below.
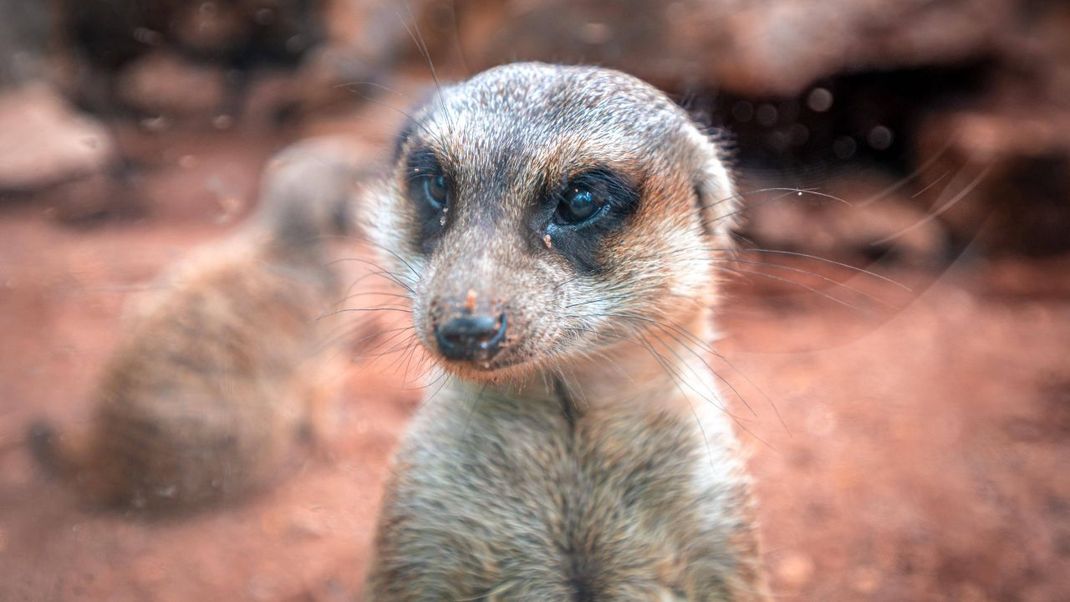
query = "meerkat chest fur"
x=558 y=230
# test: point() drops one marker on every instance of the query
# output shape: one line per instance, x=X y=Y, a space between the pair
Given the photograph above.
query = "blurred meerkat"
x=559 y=229
x=226 y=364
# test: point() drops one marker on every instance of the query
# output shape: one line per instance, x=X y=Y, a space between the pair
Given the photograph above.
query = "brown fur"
x=225 y=366
x=591 y=457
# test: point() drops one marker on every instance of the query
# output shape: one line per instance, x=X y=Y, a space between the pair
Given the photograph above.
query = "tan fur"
x=224 y=367
x=591 y=458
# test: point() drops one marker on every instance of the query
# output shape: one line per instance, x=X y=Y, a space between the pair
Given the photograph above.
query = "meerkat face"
x=543 y=213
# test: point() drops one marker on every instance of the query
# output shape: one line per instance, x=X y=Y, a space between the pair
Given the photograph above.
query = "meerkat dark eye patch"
x=585 y=209
x=430 y=189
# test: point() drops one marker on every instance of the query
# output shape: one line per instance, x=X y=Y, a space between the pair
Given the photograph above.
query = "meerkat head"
x=540 y=214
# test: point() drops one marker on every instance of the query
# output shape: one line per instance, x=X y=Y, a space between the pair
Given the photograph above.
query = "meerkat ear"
x=715 y=191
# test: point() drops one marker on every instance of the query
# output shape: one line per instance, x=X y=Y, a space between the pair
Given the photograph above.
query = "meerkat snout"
x=471 y=337
x=467 y=327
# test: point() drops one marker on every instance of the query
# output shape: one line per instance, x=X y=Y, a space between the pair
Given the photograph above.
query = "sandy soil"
x=920 y=452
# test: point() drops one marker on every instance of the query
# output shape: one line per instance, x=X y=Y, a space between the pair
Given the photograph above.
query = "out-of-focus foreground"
x=897 y=328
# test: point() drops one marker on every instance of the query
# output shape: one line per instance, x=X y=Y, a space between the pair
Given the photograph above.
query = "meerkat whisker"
x=814 y=290
x=710 y=350
x=706 y=364
x=812 y=274
x=793 y=269
x=944 y=206
x=391 y=276
x=704 y=396
x=825 y=260
x=347 y=310
x=913 y=175
x=395 y=333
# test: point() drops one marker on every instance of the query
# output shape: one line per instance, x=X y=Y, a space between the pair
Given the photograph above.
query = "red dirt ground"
x=921 y=451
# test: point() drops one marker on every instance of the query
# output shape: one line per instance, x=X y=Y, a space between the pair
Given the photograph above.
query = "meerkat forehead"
x=535 y=112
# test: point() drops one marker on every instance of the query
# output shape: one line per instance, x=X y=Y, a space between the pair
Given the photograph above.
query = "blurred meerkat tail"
x=46 y=447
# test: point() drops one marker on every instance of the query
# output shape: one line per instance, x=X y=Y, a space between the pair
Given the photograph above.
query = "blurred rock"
x=162 y=83
x=856 y=219
x=43 y=141
x=1027 y=278
x=363 y=42
x=365 y=36
x=87 y=200
x=781 y=47
x=272 y=97
x=1000 y=177
x=181 y=58
x=272 y=58
x=1035 y=60
x=110 y=33
x=776 y=47
x=23 y=37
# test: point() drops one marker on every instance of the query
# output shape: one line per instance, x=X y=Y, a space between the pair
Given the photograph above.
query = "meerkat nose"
x=469 y=337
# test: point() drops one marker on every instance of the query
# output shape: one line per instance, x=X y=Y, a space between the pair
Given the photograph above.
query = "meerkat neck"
x=666 y=368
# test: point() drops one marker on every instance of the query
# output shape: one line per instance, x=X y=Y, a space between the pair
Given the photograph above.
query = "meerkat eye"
x=428 y=182
x=584 y=199
x=436 y=189
x=593 y=196
x=579 y=204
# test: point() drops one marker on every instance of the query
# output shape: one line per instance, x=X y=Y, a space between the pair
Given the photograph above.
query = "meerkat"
x=224 y=367
x=558 y=229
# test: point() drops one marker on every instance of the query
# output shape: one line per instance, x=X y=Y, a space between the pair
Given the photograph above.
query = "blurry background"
x=897 y=329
